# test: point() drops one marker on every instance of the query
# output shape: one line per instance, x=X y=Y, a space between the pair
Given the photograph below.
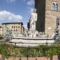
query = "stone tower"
x=48 y=11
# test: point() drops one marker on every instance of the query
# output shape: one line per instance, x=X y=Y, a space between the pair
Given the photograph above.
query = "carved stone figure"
x=33 y=20
x=8 y=34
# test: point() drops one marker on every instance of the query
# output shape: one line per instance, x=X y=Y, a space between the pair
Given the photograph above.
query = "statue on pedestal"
x=8 y=34
x=57 y=35
x=32 y=30
x=33 y=20
x=56 y=31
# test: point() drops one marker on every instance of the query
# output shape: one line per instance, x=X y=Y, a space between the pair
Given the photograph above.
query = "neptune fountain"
x=33 y=37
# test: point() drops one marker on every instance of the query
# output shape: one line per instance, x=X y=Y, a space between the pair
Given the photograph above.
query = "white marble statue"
x=33 y=20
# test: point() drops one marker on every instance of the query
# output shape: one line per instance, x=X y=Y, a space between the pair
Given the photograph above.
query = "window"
x=55 y=6
x=57 y=21
x=18 y=26
x=16 y=29
x=12 y=26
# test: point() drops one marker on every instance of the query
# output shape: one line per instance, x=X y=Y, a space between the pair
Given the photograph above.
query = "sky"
x=16 y=11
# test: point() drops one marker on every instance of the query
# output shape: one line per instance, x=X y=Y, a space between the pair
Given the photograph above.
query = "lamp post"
x=39 y=52
x=47 y=39
x=27 y=53
x=15 y=50
x=15 y=44
x=20 y=56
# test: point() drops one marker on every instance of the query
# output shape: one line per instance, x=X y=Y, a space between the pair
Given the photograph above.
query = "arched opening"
x=53 y=6
x=56 y=6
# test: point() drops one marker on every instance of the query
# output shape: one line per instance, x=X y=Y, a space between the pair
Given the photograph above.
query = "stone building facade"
x=48 y=11
x=15 y=27
x=0 y=30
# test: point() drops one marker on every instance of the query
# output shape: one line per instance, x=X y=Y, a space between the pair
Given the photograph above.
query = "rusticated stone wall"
x=46 y=21
x=50 y=21
x=49 y=4
x=51 y=16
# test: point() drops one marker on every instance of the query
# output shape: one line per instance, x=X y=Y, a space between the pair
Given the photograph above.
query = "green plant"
x=41 y=50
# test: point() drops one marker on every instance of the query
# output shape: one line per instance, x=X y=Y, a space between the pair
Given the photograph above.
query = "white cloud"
x=11 y=1
x=30 y=9
x=5 y=15
x=30 y=2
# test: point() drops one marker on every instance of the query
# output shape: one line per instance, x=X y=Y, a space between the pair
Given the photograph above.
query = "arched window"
x=53 y=6
x=56 y=6
x=57 y=21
